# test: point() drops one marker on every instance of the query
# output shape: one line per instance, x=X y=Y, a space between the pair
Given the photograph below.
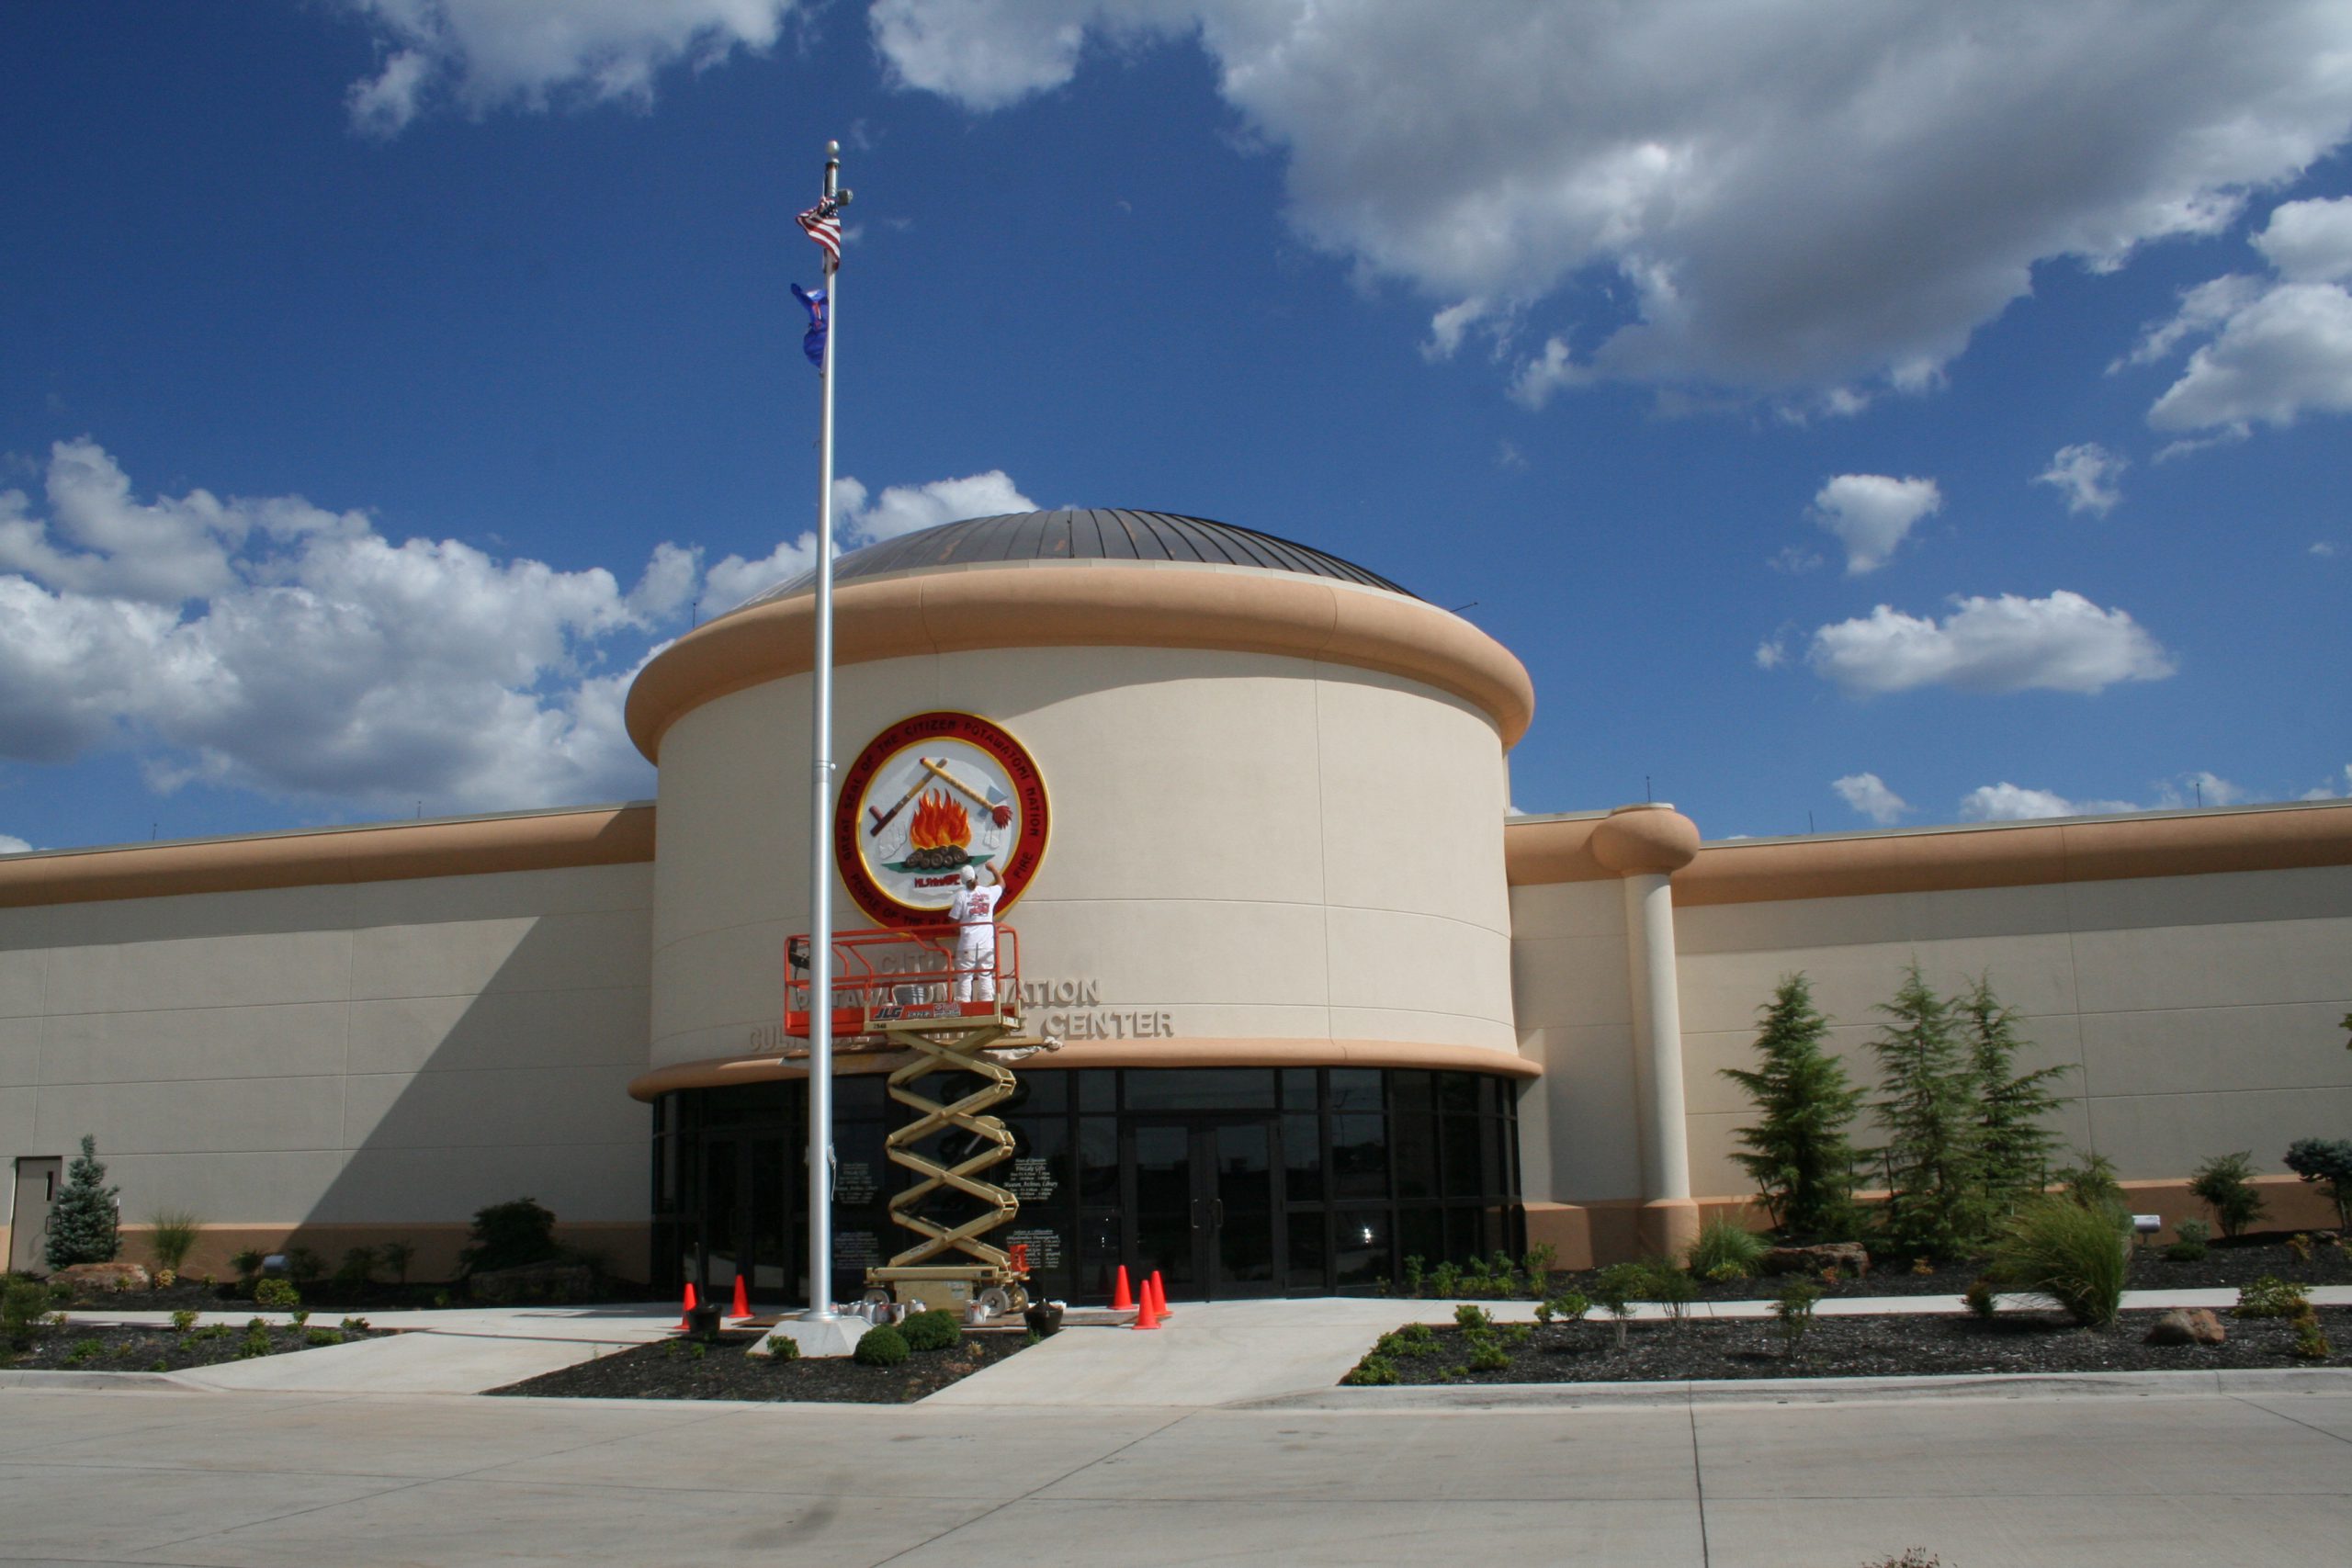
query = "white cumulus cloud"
x=1785 y=193
x=2269 y=350
x=860 y=517
x=490 y=55
x=12 y=845
x=2328 y=792
x=2085 y=475
x=1872 y=513
x=2009 y=643
x=2013 y=803
x=1868 y=794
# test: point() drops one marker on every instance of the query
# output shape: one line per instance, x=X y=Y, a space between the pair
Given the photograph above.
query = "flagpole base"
x=819 y=1339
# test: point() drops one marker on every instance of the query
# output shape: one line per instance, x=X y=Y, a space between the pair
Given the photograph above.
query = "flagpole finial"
x=832 y=175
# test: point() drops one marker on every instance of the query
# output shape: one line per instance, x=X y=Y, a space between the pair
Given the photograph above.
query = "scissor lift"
x=894 y=990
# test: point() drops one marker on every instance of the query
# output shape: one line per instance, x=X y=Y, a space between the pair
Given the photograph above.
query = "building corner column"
x=1645 y=845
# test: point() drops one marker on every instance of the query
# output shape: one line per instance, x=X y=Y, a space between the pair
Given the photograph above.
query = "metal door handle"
x=1216 y=1214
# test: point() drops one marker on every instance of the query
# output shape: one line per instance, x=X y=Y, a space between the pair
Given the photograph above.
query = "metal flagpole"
x=820 y=839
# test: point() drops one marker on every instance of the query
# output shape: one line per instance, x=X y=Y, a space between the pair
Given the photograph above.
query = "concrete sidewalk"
x=1209 y=1353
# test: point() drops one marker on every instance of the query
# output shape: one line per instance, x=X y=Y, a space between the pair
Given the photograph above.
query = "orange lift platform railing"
x=902 y=991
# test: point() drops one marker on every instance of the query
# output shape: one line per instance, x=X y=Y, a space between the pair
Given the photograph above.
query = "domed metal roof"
x=1084 y=534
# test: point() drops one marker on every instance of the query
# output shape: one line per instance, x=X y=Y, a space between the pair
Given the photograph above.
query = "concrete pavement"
x=2048 y=1482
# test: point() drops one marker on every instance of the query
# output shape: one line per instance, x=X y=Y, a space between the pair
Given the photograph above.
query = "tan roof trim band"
x=2113 y=849
x=718 y=1072
x=389 y=852
x=1099 y=604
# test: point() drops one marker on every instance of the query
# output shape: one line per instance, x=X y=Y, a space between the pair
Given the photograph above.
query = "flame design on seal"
x=938 y=822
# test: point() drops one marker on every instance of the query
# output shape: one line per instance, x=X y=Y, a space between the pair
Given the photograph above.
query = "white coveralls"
x=973 y=912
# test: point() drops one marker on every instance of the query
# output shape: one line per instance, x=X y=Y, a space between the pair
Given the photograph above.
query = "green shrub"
x=1445 y=1280
x=2310 y=1344
x=1617 y=1288
x=1670 y=1286
x=278 y=1295
x=357 y=1268
x=780 y=1348
x=1793 y=1311
x=1374 y=1371
x=2328 y=1162
x=1982 y=1299
x=1416 y=1340
x=2225 y=1184
x=321 y=1337
x=256 y=1342
x=1571 y=1306
x=299 y=1317
x=246 y=1263
x=1727 y=1250
x=2187 y=1252
x=355 y=1326
x=2073 y=1255
x=84 y=1350
x=2195 y=1231
x=172 y=1236
x=882 y=1345
x=933 y=1330
x=1470 y=1317
x=2270 y=1296
x=302 y=1265
x=1538 y=1266
x=2092 y=1184
x=183 y=1320
x=1489 y=1357
x=507 y=1236
x=1414 y=1266
x=81 y=1218
x=397 y=1257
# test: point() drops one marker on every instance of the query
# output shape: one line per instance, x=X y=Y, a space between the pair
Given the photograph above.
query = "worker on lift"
x=973 y=912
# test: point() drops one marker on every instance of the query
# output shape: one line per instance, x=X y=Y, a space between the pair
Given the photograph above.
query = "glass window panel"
x=1310 y=1251
x=1200 y=1089
x=861 y=1173
x=1302 y=1159
x=1101 y=1247
x=1413 y=1143
x=1298 y=1089
x=1047 y=1090
x=1039 y=1172
x=1361 y=1248
x=1410 y=1091
x=862 y=1094
x=1098 y=1089
x=1463 y=1145
x=1098 y=1161
x=1359 y=1155
x=1355 y=1089
x=1457 y=1093
x=1420 y=1233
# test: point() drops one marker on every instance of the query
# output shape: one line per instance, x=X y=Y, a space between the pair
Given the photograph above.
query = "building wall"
x=2197 y=1013
x=342 y=1063
x=2197 y=1010
x=1244 y=845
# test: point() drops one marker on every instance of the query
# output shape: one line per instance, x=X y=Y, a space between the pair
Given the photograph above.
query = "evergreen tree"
x=1934 y=1153
x=1798 y=1153
x=82 y=1221
x=2015 y=1142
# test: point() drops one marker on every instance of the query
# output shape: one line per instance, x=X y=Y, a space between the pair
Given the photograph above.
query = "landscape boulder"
x=2184 y=1326
x=535 y=1283
x=96 y=1277
x=1848 y=1258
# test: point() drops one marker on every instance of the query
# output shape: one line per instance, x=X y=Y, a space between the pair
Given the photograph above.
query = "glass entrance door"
x=747 y=1222
x=1202 y=1204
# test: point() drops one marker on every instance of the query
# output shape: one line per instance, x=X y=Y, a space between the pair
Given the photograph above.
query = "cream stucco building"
x=1324 y=1002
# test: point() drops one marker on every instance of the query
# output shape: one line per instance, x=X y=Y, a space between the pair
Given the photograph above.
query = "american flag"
x=823 y=224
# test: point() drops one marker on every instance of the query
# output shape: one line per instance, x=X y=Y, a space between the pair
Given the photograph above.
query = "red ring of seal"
x=1021 y=772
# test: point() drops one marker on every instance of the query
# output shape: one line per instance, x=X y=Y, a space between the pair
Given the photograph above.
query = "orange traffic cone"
x=1144 y=1316
x=742 y=1300
x=685 y=1317
x=1159 y=1288
x=1123 y=1299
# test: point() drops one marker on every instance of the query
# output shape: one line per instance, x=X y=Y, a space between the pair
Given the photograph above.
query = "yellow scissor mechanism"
x=967 y=1268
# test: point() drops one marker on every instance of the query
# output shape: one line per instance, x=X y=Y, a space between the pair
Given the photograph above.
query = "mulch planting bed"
x=323 y=1296
x=2225 y=1266
x=1861 y=1347
x=683 y=1369
x=92 y=1347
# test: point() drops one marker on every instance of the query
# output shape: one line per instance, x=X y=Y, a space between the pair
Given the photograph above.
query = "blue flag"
x=813 y=342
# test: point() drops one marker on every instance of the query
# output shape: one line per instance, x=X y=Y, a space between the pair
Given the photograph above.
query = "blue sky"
x=1851 y=413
